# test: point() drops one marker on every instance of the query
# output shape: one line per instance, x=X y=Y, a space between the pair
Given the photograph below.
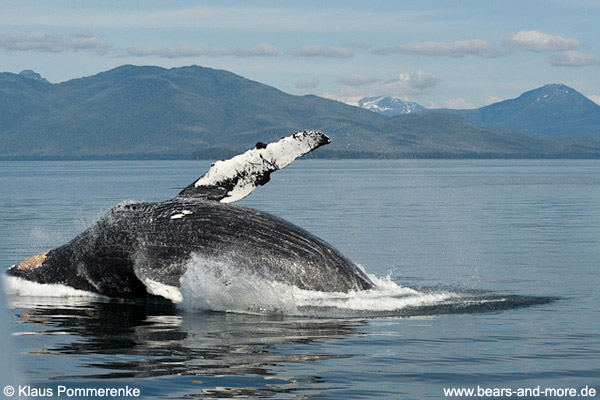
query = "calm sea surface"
x=502 y=257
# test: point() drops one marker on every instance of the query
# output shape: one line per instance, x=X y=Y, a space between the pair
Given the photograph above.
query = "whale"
x=143 y=249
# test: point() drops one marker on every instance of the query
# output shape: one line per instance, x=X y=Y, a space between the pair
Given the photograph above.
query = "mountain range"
x=553 y=110
x=152 y=112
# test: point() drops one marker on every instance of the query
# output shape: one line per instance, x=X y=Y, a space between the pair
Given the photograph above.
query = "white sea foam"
x=215 y=284
x=386 y=296
x=219 y=285
x=18 y=287
x=26 y=294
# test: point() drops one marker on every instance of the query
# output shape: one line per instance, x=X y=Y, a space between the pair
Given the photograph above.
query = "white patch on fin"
x=160 y=289
x=181 y=214
x=231 y=180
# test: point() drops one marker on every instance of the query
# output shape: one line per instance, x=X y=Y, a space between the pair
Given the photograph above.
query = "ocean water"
x=488 y=274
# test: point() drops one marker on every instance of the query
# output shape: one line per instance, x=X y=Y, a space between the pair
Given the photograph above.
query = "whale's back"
x=168 y=234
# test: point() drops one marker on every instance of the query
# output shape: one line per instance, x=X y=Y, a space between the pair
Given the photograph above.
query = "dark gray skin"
x=141 y=241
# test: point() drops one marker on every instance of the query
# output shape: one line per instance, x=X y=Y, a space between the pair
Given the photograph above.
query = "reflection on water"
x=155 y=339
x=222 y=354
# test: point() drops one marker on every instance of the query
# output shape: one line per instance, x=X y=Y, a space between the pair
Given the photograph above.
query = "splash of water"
x=18 y=287
x=212 y=284
x=217 y=285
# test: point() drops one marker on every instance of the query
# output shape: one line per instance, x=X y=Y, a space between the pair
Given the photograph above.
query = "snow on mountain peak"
x=388 y=105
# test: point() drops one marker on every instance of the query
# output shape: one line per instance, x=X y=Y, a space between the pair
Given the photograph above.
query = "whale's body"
x=136 y=246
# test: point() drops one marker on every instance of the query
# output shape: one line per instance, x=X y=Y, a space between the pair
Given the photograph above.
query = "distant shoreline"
x=316 y=157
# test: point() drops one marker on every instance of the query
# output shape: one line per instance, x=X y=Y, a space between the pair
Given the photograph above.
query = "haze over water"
x=513 y=244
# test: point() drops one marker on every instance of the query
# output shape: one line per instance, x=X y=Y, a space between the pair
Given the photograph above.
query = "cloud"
x=416 y=83
x=80 y=41
x=537 y=41
x=595 y=98
x=457 y=49
x=356 y=80
x=458 y=103
x=52 y=42
x=322 y=50
x=143 y=50
x=419 y=80
x=574 y=58
x=492 y=100
x=306 y=83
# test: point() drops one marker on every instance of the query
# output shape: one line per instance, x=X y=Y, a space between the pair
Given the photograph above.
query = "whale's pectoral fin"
x=231 y=180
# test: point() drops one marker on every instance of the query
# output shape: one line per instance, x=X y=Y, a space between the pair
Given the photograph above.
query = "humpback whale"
x=136 y=247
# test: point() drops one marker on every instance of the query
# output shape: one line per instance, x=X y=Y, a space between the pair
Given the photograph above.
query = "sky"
x=456 y=54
